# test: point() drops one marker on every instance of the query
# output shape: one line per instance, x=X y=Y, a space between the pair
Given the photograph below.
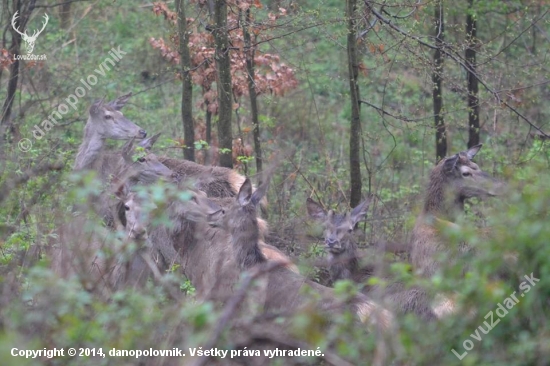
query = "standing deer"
x=344 y=259
x=452 y=181
x=105 y=121
x=284 y=287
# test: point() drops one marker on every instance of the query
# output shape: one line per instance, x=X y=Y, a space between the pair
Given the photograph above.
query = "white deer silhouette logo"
x=29 y=40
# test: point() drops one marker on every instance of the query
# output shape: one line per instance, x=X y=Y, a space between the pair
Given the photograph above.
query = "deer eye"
x=466 y=174
x=127 y=208
x=141 y=160
x=108 y=116
x=350 y=230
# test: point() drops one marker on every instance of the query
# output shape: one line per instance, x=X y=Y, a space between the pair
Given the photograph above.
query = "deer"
x=215 y=181
x=131 y=165
x=344 y=260
x=105 y=121
x=29 y=40
x=452 y=181
x=98 y=257
x=284 y=287
x=169 y=241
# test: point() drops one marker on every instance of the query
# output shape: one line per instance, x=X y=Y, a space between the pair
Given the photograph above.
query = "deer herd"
x=215 y=234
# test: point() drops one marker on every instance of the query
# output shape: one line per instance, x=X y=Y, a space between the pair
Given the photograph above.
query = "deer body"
x=215 y=181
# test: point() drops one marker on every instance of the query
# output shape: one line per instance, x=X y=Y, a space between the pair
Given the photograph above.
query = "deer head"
x=338 y=227
x=132 y=214
x=107 y=121
x=142 y=165
x=457 y=178
x=29 y=40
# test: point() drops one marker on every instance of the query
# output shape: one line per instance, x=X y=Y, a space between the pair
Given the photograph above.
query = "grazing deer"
x=452 y=181
x=344 y=260
x=284 y=287
x=105 y=121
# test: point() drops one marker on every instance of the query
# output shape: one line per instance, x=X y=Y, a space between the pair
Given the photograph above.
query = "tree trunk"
x=437 y=92
x=470 y=55
x=187 y=90
x=65 y=15
x=225 y=135
x=208 y=122
x=355 y=126
x=249 y=52
x=24 y=11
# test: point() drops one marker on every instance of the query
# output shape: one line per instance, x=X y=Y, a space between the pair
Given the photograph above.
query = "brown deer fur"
x=284 y=287
x=344 y=260
x=452 y=181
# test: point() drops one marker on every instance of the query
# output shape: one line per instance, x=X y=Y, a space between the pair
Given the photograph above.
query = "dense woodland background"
x=349 y=97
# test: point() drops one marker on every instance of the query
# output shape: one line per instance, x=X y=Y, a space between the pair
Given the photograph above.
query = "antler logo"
x=29 y=40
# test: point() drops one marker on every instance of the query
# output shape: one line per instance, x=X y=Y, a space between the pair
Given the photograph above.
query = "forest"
x=274 y=182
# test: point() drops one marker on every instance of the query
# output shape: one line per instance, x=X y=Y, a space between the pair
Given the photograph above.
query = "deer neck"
x=344 y=265
x=440 y=200
x=90 y=150
x=245 y=240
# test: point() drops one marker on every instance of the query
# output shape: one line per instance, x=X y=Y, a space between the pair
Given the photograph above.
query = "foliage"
x=304 y=113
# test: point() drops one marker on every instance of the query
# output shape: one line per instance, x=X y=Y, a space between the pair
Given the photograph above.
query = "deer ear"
x=120 y=102
x=259 y=193
x=95 y=108
x=122 y=191
x=450 y=163
x=148 y=143
x=360 y=211
x=471 y=152
x=245 y=193
x=315 y=210
x=127 y=150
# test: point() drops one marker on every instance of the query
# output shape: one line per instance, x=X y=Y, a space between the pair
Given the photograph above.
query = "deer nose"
x=330 y=242
x=142 y=134
x=139 y=232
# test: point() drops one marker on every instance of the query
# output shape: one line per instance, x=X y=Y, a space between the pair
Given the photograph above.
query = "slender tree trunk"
x=24 y=10
x=187 y=90
x=437 y=92
x=223 y=63
x=249 y=51
x=473 y=88
x=65 y=15
x=208 y=122
x=355 y=126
